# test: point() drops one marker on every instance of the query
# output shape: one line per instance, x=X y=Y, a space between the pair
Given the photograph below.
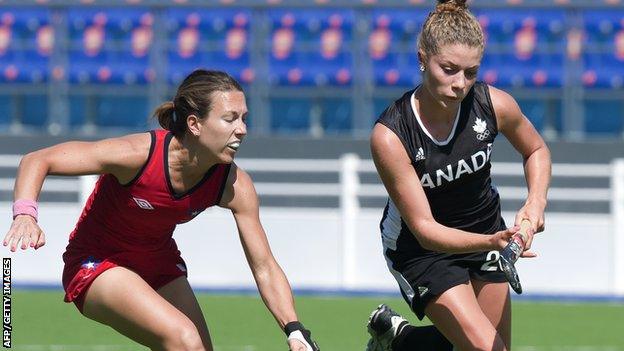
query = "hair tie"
x=175 y=117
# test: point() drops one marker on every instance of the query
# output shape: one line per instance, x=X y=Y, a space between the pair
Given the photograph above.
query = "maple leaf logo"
x=480 y=126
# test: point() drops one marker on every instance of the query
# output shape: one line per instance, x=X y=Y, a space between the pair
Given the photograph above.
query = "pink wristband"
x=25 y=207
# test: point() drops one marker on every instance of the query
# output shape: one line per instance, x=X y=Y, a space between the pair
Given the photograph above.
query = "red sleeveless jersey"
x=141 y=216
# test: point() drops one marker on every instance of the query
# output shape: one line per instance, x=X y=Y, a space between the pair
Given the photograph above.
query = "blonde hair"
x=450 y=23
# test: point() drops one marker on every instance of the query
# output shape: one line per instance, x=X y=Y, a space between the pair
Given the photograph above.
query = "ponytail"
x=168 y=118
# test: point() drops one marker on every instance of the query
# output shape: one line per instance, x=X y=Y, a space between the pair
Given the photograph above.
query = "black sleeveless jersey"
x=454 y=173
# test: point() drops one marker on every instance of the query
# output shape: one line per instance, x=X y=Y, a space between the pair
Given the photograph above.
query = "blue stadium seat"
x=386 y=69
x=290 y=73
x=285 y=63
x=488 y=71
x=110 y=111
x=290 y=115
x=397 y=69
x=311 y=48
x=404 y=24
x=29 y=45
x=336 y=71
x=35 y=66
x=215 y=39
x=96 y=69
x=501 y=25
x=122 y=112
x=110 y=45
x=212 y=23
x=238 y=66
x=90 y=46
x=35 y=110
x=25 y=21
x=24 y=66
x=601 y=25
x=180 y=67
x=336 y=115
x=542 y=113
x=603 y=57
x=603 y=70
x=131 y=69
x=536 y=70
x=289 y=70
x=117 y=21
x=310 y=23
x=535 y=110
x=392 y=46
x=311 y=69
x=604 y=118
x=133 y=59
x=9 y=69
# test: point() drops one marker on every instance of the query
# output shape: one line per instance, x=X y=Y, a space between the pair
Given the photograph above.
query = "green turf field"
x=41 y=321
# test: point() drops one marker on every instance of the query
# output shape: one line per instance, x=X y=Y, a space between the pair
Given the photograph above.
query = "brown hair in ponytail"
x=194 y=97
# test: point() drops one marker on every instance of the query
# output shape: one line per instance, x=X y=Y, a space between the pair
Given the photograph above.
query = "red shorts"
x=81 y=269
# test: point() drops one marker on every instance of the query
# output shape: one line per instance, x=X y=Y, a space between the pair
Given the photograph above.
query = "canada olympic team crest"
x=480 y=127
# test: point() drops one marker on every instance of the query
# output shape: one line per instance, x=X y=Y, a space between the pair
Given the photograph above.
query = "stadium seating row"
x=311 y=47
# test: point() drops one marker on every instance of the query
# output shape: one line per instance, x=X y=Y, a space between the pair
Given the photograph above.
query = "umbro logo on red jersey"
x=144 y=204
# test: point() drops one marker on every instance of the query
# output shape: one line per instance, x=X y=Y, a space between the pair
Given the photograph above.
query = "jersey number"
x=491 y=261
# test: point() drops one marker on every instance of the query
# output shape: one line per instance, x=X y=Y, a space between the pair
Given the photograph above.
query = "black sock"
x=427 y=338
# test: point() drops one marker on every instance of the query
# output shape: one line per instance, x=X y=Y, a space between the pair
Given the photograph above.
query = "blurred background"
x=316 y=75
x=310 y=67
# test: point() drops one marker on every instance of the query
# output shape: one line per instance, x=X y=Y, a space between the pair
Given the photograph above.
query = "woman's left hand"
x=533 y=210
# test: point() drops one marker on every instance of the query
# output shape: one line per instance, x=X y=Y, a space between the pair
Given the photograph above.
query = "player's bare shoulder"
x=505 y=107
x=137 y=146
x=386 y=146
x=239 y=193
x=382 y=138
x=128 y=154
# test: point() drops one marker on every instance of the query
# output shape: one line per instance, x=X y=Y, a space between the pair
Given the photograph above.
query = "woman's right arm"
x=403 y=185
x=121 y=157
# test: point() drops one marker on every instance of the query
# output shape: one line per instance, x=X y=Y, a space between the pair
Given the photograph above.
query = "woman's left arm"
x=240 y=197
x=536 y=156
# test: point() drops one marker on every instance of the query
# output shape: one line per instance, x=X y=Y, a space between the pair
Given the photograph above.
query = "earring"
x=422 y=67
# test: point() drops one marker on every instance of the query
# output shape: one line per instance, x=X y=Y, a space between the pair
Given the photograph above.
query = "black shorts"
x=425 y=277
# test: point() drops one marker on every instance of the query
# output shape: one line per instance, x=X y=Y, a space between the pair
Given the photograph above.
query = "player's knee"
x=184 y=337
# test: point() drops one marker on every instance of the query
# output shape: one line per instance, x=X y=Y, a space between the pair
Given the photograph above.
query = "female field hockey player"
x=122 y=266
x=442 y=227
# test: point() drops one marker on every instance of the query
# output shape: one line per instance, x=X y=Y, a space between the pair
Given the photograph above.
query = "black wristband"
x=293 y=326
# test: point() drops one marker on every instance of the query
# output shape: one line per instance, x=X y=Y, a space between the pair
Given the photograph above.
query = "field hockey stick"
x=509 y=255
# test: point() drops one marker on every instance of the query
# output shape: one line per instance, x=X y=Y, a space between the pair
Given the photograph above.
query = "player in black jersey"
x=442 y=228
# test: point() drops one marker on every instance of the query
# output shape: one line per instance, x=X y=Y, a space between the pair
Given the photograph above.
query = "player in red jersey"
x=122 y=266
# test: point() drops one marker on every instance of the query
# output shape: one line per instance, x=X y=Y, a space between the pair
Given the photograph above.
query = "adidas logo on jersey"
x=480 y=127
x=144 y=204
x=420 y=155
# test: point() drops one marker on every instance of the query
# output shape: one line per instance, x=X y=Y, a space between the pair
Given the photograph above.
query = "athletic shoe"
x=383 y=325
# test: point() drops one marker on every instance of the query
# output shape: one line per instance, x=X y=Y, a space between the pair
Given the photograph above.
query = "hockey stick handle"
x=525 y=225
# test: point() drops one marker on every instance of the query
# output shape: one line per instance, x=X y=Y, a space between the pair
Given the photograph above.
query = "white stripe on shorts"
x=403 y=283
x=391 y=225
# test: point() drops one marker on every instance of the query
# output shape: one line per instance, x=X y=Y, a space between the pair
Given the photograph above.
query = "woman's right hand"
x=24 y=229
x=501 y=239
